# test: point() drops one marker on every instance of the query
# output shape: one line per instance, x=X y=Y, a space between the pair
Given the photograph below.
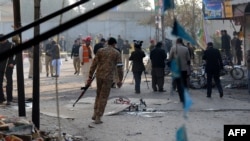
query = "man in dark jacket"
x=119 y=42
x=138 y=66
x=214 y=64
x=6 y=68
x=125 y=54
x=236 y=47
x=75 y=56
x=99 y=45
x=226 y=44
x=158 y=57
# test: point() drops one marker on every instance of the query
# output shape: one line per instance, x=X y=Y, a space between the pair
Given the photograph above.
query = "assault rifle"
x=84 y=90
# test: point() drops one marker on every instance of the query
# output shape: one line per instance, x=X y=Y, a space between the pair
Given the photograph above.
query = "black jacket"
x=225 y=41
x=158 y=57
x=11 y=60
x=97 y=47
x=137 y=58
x=48 y=48
x=75 y=50
x=213 y=60
x=55 y=50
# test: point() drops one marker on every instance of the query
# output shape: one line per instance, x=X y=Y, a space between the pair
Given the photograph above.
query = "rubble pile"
x=19 y=129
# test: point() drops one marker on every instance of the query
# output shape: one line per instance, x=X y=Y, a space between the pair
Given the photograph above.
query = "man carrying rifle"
x=104 y=64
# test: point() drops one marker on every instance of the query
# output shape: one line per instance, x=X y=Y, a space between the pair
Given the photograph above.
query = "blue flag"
x=168 y=4
x=175 y=68
x=178 y=30
x=187 y=102
x=181 y=134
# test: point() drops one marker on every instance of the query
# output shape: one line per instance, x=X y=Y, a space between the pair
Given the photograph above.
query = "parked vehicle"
x=235 y=71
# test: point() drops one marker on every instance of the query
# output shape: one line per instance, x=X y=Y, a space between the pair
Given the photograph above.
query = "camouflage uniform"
x=104 y=63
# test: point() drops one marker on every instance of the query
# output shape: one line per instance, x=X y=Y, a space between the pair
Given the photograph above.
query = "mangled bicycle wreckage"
x=198 y=77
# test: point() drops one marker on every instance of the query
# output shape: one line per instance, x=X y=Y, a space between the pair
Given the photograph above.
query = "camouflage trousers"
x=102 y=94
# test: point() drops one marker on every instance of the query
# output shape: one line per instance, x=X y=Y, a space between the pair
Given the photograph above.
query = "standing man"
x=48 y=58
x=104 y=64
x=6 y=68
x=125 y=54
x=63 y=47
x=158 y=57
x=75 y=55
x=85 y=54
x=119 y=42
x=149 y=64
x=56 y=58
x=236 y=48
x=213 y=66
x=226 y=44
x=181 y=54
x=138 y=66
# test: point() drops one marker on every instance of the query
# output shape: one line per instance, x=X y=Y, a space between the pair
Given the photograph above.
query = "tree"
x=187 y=12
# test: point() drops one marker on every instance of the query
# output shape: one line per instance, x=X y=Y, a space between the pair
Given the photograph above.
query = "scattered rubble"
x=21 y=129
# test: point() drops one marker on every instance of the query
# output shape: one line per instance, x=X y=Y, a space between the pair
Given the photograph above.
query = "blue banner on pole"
x=178 y=30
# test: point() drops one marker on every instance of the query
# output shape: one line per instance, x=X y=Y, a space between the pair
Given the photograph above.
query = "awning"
x=236 y=2
x=239 y=10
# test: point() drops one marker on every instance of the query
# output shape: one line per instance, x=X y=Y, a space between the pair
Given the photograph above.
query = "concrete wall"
x=128 y=30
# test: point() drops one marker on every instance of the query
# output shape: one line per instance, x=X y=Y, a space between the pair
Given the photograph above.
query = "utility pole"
x=19 y=60
x=36 y=70
x=159 y=22
x=157 y=27
x=163 y=29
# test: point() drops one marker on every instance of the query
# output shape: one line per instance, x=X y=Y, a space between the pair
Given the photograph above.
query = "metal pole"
x=19 y=61
x=163 y=29
x=56 y=82
x=36 y=72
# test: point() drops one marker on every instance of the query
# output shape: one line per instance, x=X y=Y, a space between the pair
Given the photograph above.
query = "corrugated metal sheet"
x=235 y=2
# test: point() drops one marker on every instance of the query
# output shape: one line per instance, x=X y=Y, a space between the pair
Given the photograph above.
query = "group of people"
x=232 y=47
x=52 y=57
x=109 y=58
x=53 y=60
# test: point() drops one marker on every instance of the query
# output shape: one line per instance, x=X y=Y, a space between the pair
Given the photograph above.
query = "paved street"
x=165 y=114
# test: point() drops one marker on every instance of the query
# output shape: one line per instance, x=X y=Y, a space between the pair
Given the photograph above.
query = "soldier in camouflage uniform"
x=104 y=63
